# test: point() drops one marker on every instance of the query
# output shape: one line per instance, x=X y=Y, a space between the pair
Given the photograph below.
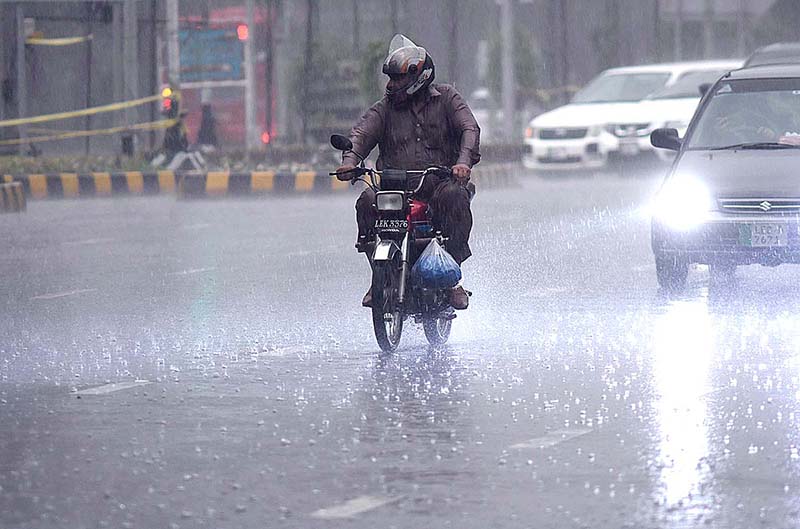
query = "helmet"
x=405 y=57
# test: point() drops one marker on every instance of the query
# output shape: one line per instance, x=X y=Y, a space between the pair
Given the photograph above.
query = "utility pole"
x=507 y=63
x=678 y=34
x=452 y=55
x=22 y=74
x=741 y=19
x=564 y=49
x=307 y=64
x=88 y=102
x=249 y=76
x=708 y=30
x=393 y=11
x=268 y=64
x=173 y=53
x=130 y=54
x=356 y=28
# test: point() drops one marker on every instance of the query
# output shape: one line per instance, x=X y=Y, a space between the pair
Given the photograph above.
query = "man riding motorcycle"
x=418 y=124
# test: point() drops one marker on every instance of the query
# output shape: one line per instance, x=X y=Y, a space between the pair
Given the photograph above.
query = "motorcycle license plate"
x=763 y=235
x=391 y=225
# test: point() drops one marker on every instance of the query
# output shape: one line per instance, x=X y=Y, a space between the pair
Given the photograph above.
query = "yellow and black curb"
x=99 y=184
x=12 y=198
x=208 y=184
x=224 y=183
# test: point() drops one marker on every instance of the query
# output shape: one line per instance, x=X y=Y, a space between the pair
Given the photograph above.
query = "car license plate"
x=557 y=153
x=763 y=235
x=629 y=148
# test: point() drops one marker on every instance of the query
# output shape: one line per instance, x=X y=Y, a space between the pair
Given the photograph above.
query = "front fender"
x=385 y=251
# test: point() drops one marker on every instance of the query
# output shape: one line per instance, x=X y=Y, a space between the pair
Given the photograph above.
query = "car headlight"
x=683 y=203
x=389 y=201
x=611 y=129
x=530 y=132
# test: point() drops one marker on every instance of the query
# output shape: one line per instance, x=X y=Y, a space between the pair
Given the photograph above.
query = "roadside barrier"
x=12 y=198
x=225 y=183
x=97 y=184
x=212 y=183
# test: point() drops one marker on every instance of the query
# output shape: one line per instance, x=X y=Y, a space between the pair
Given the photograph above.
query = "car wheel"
x=671 y=271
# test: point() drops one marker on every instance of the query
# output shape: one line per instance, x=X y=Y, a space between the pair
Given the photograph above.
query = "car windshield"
x=688 y=85
x=752 y=112
x=620 y=87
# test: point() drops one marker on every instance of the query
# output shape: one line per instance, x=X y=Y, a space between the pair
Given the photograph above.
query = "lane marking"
x=355 y=506
x=552 y=438
x=88 y=241
x=111 y=388
x=64 y=294
x=191 y=271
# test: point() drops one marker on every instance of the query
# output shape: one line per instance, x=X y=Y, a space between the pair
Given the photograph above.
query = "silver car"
x=732 y=196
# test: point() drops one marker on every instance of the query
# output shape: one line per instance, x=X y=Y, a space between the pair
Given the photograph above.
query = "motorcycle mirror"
x=341 y=143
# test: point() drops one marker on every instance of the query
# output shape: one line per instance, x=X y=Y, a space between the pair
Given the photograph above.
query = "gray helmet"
x=405 y=57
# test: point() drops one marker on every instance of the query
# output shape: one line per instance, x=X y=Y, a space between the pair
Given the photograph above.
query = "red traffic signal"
x=242 y=32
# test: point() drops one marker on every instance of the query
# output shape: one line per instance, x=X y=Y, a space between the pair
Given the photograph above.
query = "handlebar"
x=360 y=172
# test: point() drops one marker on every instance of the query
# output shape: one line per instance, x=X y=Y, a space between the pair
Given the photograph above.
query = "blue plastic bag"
x=435 y=268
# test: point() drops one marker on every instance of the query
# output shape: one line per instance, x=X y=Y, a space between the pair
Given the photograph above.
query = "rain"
x=183 y=341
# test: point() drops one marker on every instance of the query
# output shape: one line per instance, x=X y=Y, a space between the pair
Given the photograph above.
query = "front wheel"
x=671 y=272
x=387 y=315
x=437 y=329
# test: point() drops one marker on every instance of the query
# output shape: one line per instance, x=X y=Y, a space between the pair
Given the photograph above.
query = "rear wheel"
x=387 y=316
x=671 y=271
x=437 y=329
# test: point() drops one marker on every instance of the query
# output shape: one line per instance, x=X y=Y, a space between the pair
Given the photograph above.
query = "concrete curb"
x=96 y=184
x=212 y=183
x=12 y=198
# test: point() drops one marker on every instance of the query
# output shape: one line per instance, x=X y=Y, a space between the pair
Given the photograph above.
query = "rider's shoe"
x=367 y=301
x=459 y=298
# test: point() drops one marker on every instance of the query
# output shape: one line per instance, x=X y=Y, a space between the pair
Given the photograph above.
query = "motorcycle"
x=401 y=232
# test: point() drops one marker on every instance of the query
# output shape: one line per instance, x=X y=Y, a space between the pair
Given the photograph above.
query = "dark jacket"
x=435 y=128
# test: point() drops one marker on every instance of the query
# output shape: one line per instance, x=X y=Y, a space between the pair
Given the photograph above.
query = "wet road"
x=207 y=364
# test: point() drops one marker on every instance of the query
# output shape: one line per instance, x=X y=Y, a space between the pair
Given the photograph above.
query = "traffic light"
x=170 y=102
x=242 y=32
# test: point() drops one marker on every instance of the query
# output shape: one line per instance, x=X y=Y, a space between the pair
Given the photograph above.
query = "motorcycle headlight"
x=683 y=203
x=389 y=201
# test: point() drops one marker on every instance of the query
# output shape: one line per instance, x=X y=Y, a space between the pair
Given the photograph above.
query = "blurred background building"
x=313 y=65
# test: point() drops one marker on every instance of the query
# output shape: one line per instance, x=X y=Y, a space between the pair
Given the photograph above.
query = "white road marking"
x=552 y=438
x=64 y=294
x=355 y=506
x=111 y=388
x=88 y=241
x=191 y=271
x=196 y=226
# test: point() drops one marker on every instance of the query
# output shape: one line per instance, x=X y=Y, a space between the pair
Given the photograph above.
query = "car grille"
x=562 y=134
x=760 y=205
x=627 y=130
x=568 y=159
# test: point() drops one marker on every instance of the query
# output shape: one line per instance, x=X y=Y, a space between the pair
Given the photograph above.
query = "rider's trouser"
x=450 y=204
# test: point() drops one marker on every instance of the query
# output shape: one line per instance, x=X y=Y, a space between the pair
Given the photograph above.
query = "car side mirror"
x=703 y=88
x=665 y=139
x=341 y=143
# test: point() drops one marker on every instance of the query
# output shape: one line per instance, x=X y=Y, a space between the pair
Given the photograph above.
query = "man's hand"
x=461 y=172
x=345 y=173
